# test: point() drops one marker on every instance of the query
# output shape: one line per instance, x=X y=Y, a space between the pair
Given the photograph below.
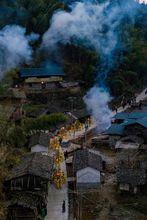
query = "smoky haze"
x=14 y=47
x=97 y=25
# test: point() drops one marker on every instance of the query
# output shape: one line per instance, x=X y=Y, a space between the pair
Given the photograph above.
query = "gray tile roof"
x=41 y=139
x=37 y=164
x=131 y=176
x=84 y=158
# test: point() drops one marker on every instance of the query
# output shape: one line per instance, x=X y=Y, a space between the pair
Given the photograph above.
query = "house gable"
x=88 y=175
x=39 y=148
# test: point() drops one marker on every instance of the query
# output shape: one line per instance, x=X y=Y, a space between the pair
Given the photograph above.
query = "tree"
x=44 y=122
x=80 y=63
x=35 y=15
x=16 y=136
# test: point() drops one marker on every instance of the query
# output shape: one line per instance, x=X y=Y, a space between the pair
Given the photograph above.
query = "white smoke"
x=96 y=25
x=97 y=104
x=85 y=21
x=143 y=1
x=14 y=47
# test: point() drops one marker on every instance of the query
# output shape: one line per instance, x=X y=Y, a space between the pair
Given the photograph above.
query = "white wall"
x=39 y=148
x=88 y=175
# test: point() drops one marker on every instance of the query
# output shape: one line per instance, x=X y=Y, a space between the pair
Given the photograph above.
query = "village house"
x=81 y=114
x=87 y=168
x=131 y=171
x=130 y=177
x=100 y=141
x=24 y=205
x=121 y=117
x=129 y=142
x=42 y=78
x=115 y=132
x=27 y=186
x=137 y=128
x=39 y=142
x=132 y=124
x=32 y=173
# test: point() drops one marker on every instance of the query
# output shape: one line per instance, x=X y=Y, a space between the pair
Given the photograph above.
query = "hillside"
x=66 y=65
x=130 y=65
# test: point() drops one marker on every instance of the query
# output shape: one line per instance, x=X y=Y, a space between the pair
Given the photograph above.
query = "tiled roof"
x=37 y=164
x=40 y=138
x=132 y=115
x=115 y=130
x=133 y=176
x=143 y=122
x=118 y=129
x=42 y=72
x=84 y=158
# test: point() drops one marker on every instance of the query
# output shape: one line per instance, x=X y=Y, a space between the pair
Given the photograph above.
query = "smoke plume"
x=97 y=103
x=14 y=47
x=96 y=25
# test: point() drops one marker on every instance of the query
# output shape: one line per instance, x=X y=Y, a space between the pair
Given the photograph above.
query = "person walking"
x=63 y=207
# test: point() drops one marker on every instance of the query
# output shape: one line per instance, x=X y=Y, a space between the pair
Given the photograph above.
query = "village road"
x=55 y=200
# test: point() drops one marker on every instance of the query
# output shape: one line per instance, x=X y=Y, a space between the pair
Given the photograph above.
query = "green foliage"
x=10 y=134
x=4 y=124
x=130 y=75
x=80 y=63
x=8 y=80
x=32 y=14
x=44 y=122
x=16 y=136
x=28 y=108
x=8 y=158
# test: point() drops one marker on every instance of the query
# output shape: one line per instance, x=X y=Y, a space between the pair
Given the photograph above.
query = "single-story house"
x=39 y=142
x=87 y=167
x=33 y=173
